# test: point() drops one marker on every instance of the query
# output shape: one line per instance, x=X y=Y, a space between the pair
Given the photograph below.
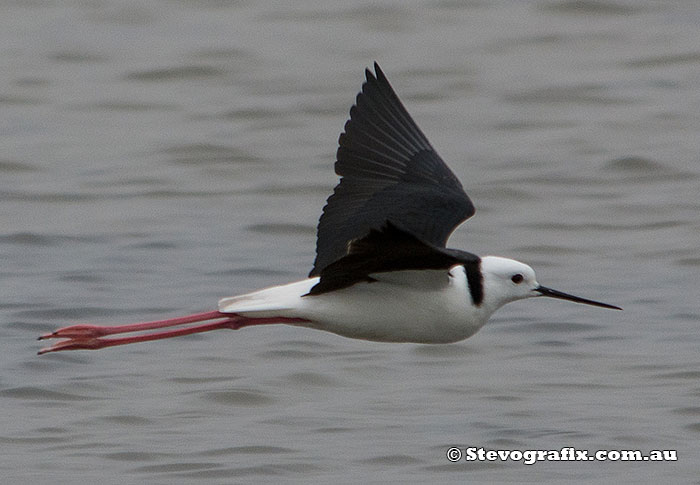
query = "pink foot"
x=87 y=337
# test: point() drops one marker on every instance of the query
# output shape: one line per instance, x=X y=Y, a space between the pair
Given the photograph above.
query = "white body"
x=432 y=306
x=421 y=306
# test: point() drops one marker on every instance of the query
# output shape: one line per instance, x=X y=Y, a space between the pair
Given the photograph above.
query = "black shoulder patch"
x=389 y=248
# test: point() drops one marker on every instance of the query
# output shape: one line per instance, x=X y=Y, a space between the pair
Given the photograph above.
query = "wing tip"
x=376 y=76
x=369 y=75
x=377 y=71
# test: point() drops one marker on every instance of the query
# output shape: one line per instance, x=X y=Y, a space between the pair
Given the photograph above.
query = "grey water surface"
x=158 y=155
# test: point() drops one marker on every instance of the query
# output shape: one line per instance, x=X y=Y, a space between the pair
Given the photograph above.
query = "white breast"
x=406 y=306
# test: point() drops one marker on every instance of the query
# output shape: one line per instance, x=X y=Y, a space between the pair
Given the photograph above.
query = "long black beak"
x=565 y=296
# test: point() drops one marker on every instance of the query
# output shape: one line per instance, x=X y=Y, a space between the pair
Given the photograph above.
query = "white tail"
x=273 y=301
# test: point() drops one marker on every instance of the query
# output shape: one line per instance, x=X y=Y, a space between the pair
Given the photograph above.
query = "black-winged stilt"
x=382 y=271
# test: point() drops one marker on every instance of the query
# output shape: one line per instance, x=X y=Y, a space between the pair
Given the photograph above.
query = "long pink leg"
x=93 y=331
x=87 y=336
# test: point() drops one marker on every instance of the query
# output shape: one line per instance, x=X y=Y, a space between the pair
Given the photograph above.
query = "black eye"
x=517 y=278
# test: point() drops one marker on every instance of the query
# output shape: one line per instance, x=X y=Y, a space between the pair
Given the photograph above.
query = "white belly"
x=411 y=307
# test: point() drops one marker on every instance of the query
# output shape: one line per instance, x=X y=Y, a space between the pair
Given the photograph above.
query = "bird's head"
x=507 y=280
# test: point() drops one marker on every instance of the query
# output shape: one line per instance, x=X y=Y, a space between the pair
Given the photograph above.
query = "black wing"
x=389 y=172
x=391 y=249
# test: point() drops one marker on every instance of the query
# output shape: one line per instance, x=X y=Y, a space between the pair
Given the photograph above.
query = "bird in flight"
x=382 y=270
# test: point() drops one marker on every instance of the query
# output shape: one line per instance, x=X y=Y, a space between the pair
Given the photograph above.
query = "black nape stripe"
x=476 y=281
